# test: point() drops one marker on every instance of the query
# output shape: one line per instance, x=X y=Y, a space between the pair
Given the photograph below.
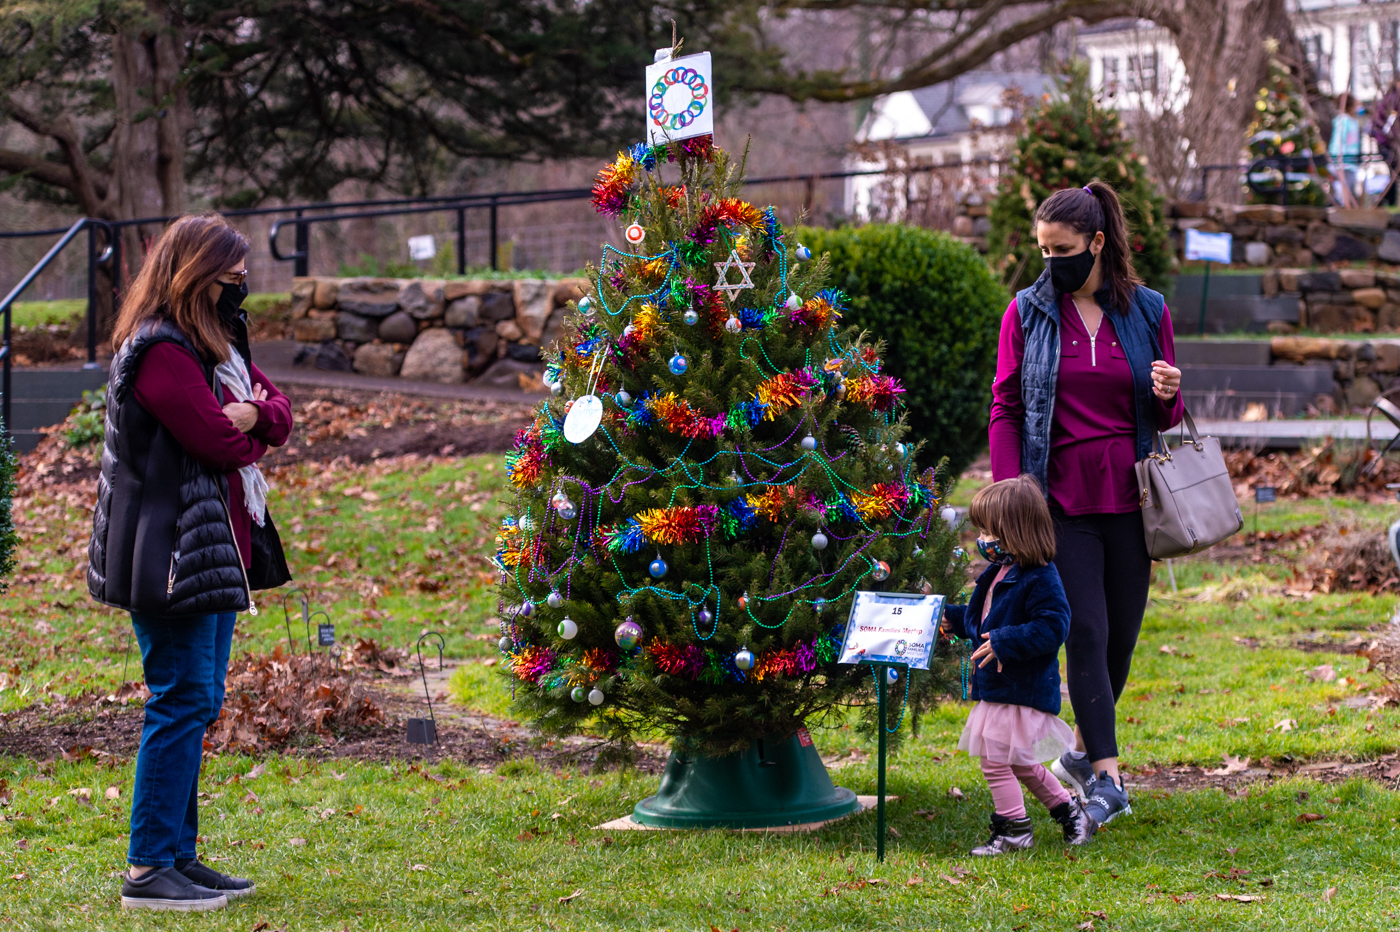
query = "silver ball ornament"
x=595 y=696
x=568 y=628
x=628 y=634
x=959 y=553
x=743 y=659
x=584 y=305
x=624 y=398
x=809 y=443
x=504 y=644
x=567 y=511
x=554 y=600
x=819 y=541
x=881 y=572
x=627 y=331
x=950 y=515
x=578 y=694
x=557 y=388
x=793 y=302
x=691 y=318
x=802 y=253
x=706 y=616
x=733 y=325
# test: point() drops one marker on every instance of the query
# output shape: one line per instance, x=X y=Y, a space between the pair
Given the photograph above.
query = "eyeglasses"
x=238 y=277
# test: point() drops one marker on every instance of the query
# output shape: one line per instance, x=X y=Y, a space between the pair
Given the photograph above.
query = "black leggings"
x=1105 y=569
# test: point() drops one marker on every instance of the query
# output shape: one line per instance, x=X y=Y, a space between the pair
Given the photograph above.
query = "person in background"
x=1344 y=151
x=180 y=501
x=1385 y=130
x=1086 y=377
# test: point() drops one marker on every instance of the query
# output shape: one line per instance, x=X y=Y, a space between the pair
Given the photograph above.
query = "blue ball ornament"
x=658 y=568
x=691 y=318
x=678 y=364
x=891 y=675
x=802 y=253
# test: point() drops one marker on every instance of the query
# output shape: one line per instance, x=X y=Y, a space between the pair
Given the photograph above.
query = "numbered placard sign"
x=892 y=627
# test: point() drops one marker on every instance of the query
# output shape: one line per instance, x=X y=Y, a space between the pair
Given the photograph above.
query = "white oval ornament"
x=583 y=418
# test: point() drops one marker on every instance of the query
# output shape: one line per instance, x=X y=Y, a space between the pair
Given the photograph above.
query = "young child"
x=1018 y=618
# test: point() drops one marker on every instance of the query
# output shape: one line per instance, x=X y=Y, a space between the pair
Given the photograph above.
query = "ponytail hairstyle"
x=174 y=283
x=1092 y=209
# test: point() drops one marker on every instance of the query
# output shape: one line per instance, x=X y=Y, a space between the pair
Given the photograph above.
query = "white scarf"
x=234 y=374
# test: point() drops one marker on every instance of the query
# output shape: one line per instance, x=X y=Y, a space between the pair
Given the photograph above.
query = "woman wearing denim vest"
x=1085 y=376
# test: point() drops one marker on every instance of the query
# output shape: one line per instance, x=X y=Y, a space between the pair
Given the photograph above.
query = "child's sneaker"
x=1078 y=827
x=1007 y=835
x=1107 y=800
x=1076 y=772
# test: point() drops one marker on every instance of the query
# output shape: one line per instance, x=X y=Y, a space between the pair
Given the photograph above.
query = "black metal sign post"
x=1262 y=493
x=286 y=618
x=424 y=730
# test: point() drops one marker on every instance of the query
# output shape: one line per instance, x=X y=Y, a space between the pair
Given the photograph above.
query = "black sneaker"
x=1077 y=825
x=1007 y=835
x=167 y=888
x=207 y=877
x=1107 y=800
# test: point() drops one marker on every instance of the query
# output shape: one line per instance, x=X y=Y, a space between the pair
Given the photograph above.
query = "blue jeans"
x=186 y=660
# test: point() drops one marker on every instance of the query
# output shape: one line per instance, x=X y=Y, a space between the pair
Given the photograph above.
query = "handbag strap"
x=1159 y=440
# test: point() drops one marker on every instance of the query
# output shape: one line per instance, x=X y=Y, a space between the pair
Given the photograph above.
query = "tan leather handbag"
x=1188 y=501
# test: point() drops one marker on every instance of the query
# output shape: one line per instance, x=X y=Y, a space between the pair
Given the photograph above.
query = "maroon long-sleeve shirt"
x=170 y=384
x=1093 y=433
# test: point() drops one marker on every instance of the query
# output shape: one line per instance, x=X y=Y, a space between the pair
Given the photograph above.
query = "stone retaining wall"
x=1270 y=235
x=1360 y=370
x=1344 y=301
x=434 y=331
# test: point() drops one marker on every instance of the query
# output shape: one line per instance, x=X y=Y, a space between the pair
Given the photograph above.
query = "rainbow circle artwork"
x=680 y=98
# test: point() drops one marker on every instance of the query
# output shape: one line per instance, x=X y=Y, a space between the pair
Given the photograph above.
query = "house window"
x=1110 y=76
x=1317 y=61
x=1387 y=62
x=1142 y=73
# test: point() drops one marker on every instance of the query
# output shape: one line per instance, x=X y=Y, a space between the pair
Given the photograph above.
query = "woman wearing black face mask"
x=181 y=535
x=1085 y=376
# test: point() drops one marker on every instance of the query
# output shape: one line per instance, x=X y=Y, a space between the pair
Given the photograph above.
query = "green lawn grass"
x=393 y=549
x=65 y=310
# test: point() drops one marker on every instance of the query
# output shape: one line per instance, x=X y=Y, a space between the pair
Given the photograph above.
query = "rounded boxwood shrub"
x=935 y=302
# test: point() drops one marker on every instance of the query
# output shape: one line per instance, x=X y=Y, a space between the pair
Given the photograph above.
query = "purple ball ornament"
x=628 y=634
x=527 y=609
x=706 y=616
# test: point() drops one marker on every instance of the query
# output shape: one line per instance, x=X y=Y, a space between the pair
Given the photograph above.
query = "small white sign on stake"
x=680 y=98
x=421 y=247
x=892 y=627
x=1208 y=247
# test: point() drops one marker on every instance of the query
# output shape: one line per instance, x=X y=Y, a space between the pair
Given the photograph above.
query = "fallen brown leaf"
x=1328 y=894
x=1232 y=765
x=1306 y=817
x=913 y=881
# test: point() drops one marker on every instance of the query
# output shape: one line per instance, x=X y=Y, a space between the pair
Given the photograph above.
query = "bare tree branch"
x=22 y=163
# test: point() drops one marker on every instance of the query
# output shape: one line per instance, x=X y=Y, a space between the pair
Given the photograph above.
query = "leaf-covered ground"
x=1294 y=829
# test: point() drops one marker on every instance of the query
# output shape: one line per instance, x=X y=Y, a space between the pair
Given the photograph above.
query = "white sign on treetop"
x=680 y=97
x=892 y=627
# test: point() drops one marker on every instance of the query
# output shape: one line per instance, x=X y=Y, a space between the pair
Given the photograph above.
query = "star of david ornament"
x=731 y=291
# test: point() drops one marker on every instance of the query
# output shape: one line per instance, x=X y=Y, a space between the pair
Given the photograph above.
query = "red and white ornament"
x=635 y=234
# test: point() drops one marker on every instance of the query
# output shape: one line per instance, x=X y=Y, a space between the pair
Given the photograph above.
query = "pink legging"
x=1006 y=790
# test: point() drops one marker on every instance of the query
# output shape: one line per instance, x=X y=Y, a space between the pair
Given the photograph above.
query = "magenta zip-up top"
x=1094 y=428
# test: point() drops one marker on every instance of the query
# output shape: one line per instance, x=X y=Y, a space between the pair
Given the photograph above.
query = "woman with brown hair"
x=181 y=536
x=1086 y=376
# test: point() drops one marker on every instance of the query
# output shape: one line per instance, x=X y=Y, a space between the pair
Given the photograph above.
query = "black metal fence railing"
x=1277 y=176
x=302 y=217
x=95 y=258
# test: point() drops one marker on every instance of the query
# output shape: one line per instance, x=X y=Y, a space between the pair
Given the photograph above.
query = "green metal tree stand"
x=775 y=781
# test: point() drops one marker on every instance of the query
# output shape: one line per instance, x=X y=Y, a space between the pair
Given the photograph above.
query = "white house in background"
x=1352 y=44
x=941 y=125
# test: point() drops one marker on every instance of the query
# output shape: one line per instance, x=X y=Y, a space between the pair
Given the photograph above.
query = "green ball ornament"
x=578 y=694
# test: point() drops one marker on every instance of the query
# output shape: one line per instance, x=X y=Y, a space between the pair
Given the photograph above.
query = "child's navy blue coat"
x=1028 y=622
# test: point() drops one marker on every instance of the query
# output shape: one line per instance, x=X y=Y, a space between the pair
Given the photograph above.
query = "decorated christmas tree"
x=1069 y=141
x=1283 y=127
x=719 y=469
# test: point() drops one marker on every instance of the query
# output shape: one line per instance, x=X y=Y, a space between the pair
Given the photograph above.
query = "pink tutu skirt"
x=1014 y=734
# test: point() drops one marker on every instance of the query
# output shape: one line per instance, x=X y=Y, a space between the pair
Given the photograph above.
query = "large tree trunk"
x=1221 y=43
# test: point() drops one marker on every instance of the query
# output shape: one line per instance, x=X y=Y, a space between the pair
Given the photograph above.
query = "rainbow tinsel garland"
x=881 y=392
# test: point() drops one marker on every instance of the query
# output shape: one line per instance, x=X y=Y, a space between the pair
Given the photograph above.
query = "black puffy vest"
x=161 y=542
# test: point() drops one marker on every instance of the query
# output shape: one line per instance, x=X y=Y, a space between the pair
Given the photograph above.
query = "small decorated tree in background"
x=688 y=566
x=1283 y=127
x=1069 y=141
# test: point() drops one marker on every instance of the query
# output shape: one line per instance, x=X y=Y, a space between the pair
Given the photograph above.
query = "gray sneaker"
x=204 y=875
x=1075 y=772
x=1007 y=835
x=1106 y=800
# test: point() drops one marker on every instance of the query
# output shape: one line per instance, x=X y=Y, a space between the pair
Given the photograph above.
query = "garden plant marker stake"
x=325 y=631
x=424 y=730
x=286 y=620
